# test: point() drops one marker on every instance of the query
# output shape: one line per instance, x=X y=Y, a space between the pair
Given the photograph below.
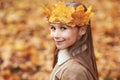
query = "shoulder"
x=75 y=66
x=75 y=71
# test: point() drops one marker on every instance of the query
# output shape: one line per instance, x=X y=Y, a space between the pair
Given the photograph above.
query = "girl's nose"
x=56 y=34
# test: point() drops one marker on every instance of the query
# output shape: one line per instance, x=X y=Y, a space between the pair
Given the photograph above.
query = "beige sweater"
x=69 y=69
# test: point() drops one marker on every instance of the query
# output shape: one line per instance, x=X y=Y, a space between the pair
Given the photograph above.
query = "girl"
x=70 y=29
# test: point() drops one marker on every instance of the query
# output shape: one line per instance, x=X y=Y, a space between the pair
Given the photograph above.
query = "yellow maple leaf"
x=47 y=10
x=61 y=13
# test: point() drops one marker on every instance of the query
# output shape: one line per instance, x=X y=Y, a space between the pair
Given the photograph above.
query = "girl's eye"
x=53 y=28
x=63 y=28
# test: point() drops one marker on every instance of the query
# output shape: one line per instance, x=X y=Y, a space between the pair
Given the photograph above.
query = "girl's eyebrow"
x=51 y=24
x=59 y=25
x=55 y=25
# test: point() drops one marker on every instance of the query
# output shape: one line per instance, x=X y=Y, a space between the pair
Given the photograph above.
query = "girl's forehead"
x=54 y=24
x=58 y=24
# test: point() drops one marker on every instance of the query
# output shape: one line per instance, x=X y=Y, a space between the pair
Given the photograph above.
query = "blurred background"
x=25 y=43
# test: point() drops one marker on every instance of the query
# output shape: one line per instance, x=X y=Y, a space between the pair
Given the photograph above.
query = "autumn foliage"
x=25 y=43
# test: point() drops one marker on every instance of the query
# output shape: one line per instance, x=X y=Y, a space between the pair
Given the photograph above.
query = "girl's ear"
x=82 y=30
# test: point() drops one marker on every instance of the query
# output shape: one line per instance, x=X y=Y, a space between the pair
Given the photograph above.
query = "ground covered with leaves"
x=25 y=43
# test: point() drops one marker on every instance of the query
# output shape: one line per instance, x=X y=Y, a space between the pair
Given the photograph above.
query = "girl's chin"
x=61 y=47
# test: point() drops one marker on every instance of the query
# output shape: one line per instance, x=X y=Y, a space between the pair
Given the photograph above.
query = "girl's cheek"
x=51 y=34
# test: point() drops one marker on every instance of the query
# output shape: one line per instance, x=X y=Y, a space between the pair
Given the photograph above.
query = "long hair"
x=82 y=50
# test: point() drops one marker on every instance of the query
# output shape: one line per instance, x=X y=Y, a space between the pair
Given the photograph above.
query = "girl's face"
x=64 y=36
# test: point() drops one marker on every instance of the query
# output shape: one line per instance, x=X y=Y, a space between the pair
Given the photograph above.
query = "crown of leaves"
x=68 y=14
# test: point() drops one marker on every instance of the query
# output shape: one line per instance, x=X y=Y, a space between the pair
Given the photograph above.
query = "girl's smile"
x=59 y=42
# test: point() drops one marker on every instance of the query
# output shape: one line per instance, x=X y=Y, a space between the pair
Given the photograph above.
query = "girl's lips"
x=59 y=42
